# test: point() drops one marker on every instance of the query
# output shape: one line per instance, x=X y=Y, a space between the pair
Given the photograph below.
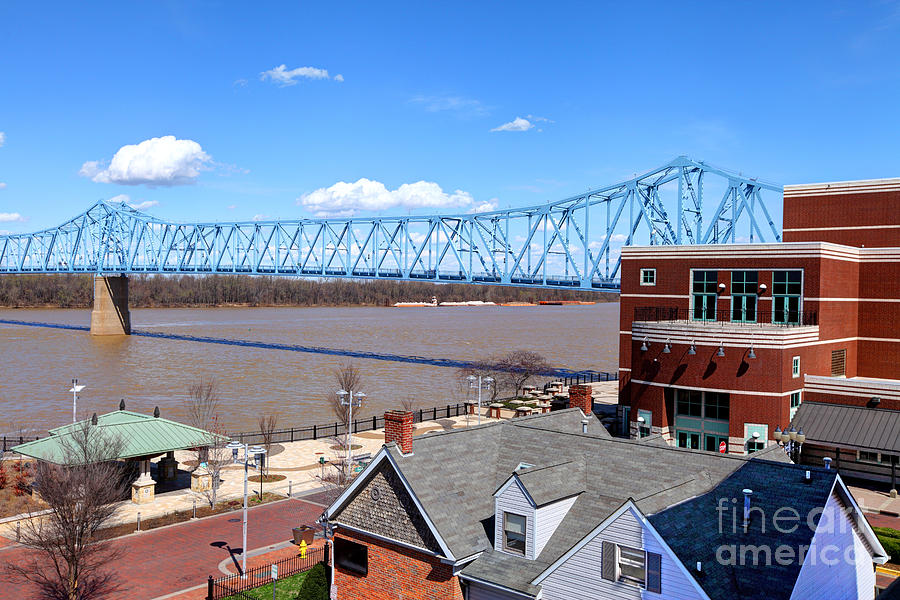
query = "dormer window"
x=632 y=566
x=514 y=533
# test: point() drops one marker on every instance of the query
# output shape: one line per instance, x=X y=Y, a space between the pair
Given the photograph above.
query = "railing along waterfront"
x=784 y=318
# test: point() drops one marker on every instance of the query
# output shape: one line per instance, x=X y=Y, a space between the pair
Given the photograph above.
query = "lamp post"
x=485 y=384
x=350 y=399
x=791 y=440
x=75 y=389
x=257 y=450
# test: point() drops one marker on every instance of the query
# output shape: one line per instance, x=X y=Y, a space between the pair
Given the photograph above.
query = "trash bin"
x=304 y=533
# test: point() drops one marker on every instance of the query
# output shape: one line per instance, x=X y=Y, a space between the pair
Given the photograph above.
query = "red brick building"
x=719 y=344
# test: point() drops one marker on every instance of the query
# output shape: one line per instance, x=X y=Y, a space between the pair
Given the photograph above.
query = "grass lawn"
x=285 y=589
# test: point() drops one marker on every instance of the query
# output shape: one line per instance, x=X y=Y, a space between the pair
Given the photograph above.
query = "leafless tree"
x=518 y=366
x=67 y=561
x=335 y=479
x=347 y=377
x=409 y=404
x=268 y=424
x=217 y=458
x=486 y=369
x=202 y=406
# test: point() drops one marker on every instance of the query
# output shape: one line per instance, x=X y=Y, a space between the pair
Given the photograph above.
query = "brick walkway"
x=166 y=560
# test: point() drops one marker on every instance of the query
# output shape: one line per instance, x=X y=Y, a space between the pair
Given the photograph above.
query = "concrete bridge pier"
x=110 y=315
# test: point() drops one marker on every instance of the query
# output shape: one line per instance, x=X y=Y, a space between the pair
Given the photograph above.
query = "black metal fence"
x=10 y=441
x=586 y=377
x=236 y=585
x=315 y=432
x=786 y=318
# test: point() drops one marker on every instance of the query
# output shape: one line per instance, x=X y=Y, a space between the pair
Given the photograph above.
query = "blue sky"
x=488 y=104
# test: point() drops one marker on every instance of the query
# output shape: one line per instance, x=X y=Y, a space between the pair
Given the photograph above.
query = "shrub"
x=890 y=539
x=4 y=478
x=315 y=586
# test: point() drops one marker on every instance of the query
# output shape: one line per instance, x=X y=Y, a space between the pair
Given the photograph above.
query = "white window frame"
x=793 y=409
x=506 y=547
x=795 y=367
x=652 y=272
x=627 y=580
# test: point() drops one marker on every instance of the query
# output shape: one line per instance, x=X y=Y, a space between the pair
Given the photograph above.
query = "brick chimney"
x=398 y=427
x=580 y=397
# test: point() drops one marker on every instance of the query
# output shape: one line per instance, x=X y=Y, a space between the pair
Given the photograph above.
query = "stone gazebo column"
x=143 y=490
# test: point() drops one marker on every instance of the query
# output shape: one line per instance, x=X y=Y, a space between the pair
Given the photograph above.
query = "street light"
x=350 y=399
x=75 y=389
x=791 y=440
x=485 y=383
x=234 y=445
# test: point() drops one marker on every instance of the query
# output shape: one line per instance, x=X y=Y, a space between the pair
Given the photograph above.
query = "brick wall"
x=397 y=573
x=580 y=397
x=398 y=427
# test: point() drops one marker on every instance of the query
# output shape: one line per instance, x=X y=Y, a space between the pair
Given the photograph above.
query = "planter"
x=304 y=533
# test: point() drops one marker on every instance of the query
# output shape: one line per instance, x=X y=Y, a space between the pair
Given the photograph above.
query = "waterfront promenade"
x=297 y=461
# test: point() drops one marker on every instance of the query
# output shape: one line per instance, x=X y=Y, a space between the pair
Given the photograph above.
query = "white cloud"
x=283 y=76
x=346 y=199
x=517 y=124
x=339 y=77
x=126 y=199
x=11 y=218
x=2 y=186
x=2 y=139
x=485 y=206
x=535 y=119
x=143 y=205
x=262 y=218
x=157 y=161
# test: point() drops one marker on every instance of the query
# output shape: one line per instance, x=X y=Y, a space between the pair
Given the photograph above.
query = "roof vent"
x=94 y=419
x=156 y=412
x=827 y=463
x=699 y=567
x=747 y=493
x=584 y=425
x=122 y=404
x=523 y=465
x=808 y=477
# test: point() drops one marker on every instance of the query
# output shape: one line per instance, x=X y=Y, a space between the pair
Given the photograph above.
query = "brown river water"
x=37 y=364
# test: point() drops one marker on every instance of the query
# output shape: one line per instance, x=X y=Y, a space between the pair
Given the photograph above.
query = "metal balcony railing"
x=785 y=318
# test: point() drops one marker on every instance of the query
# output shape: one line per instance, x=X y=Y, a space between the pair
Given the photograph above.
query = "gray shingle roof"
x=454 y=474
x=849 y=426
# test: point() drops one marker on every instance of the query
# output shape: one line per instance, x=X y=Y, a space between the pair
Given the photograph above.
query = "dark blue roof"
x=697 y=529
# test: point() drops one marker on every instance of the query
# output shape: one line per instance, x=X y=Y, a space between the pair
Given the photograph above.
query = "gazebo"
x=144 y=437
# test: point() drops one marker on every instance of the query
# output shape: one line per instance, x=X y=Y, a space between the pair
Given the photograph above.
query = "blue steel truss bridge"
x=572 y=243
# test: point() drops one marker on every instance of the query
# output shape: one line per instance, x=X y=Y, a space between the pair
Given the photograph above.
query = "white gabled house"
x=538 y=508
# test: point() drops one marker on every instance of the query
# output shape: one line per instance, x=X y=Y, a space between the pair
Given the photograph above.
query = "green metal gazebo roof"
x=142 y=435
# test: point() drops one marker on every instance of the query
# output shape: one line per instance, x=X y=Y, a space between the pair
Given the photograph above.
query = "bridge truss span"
x=572 y=243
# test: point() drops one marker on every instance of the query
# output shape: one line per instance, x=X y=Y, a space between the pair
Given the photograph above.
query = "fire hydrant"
x=303 y=549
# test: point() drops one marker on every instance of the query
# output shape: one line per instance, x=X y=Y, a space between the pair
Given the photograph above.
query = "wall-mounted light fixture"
x=762 y=289
x=751 y=354
x=668 y=347
x=721 y=351
x=645 y=345
x=693 y=349
x=721 y=288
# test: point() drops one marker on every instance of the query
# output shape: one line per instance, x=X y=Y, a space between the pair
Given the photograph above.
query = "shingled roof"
x=455 y=474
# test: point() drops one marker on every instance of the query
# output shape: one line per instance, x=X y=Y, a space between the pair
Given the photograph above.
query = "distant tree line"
x=156 y=291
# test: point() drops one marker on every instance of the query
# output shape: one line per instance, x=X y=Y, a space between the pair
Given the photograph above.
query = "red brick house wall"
x=396 y=573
